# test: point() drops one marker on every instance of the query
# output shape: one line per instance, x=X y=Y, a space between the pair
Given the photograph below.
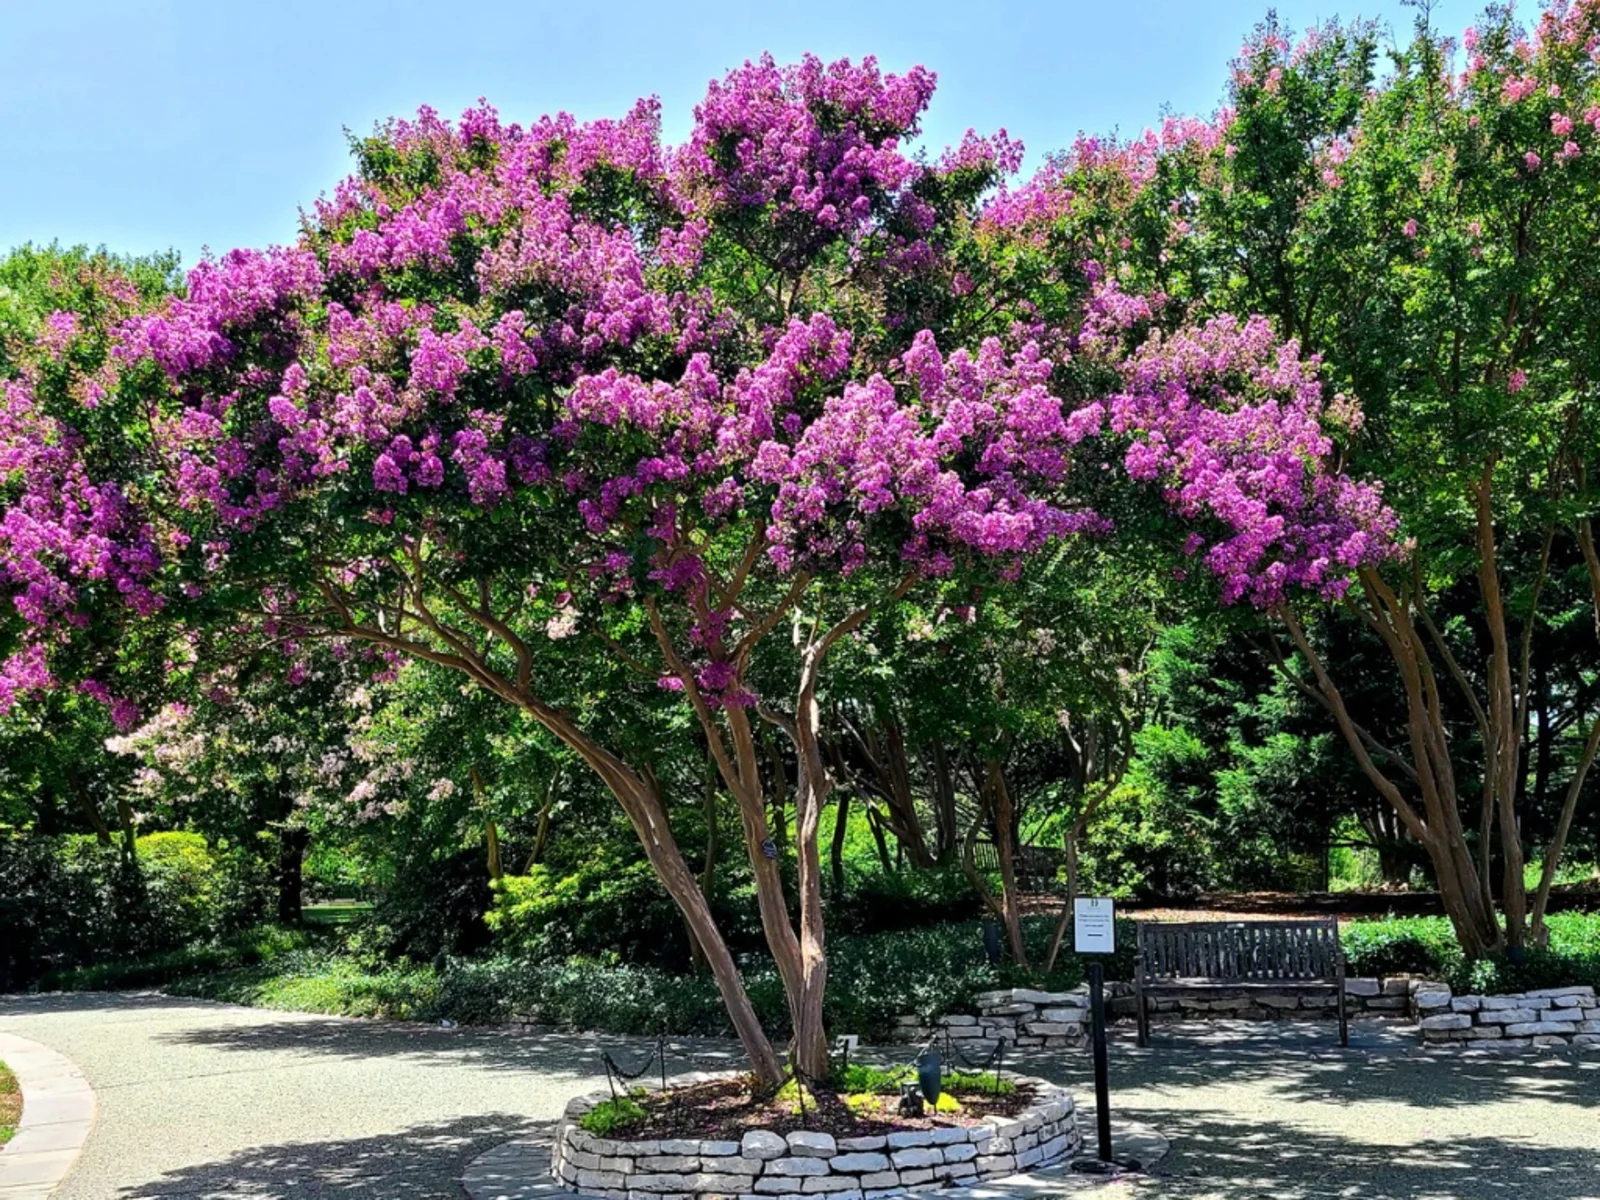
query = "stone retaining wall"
x=765 y=1165
x=1024 y=1017
x=1030 y=1019
x=1546 y=1017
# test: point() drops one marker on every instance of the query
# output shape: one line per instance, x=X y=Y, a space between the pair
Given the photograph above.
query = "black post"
x=1102 y=1090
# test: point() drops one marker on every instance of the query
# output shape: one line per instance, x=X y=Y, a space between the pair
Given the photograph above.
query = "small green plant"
x=609 y=1116
x=10 y=1104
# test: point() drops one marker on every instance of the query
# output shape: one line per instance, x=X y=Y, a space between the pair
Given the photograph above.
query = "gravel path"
x=216 y=1102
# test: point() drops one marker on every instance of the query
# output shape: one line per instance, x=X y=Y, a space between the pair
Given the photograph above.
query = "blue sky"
x=150 y=124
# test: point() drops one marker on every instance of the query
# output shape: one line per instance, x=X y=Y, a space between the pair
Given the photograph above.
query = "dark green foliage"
x=1426 y=946
x=70 y=901
x=431 y=904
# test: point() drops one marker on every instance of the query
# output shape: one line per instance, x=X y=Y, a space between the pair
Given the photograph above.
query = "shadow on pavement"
x=550 y=1052
x=1384 y=1064
x=1213 y=1157
x=423 y=1162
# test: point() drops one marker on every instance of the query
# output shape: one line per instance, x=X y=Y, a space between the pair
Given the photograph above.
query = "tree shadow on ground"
x=422 y=1162
x=1381 y=1065
x=1213 y=1157
x=549 y=1052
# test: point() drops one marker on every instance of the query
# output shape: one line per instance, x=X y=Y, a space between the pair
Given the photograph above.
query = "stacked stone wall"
x=763 y=1165
x=1544 y=1017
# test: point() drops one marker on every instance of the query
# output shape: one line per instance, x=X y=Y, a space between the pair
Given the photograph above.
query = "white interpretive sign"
x=1094 y=927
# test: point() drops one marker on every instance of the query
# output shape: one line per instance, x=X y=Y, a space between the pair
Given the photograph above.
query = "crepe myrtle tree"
x=1427 y=231
x=524 y=399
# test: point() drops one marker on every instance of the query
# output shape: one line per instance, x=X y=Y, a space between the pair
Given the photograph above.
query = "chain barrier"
x=615 y=1070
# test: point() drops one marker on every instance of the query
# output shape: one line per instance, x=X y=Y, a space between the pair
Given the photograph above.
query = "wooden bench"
x=1232 y=959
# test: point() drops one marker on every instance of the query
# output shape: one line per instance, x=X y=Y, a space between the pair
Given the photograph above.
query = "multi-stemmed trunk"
x=1401 y=620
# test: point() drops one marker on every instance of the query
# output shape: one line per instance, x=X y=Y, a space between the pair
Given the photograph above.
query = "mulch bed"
x=10 y=1104
x=727 y=1109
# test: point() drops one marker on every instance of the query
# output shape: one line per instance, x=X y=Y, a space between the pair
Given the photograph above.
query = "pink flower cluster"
x=1229 y=423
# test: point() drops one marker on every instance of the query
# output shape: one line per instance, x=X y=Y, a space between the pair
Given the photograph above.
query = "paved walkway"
x=222 y=1103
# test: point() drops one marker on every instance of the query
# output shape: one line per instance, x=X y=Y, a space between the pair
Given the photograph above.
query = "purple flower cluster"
x=1229 y=423
x=489 y=315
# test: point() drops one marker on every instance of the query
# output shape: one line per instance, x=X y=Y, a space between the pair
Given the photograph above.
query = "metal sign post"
x=1094 y=931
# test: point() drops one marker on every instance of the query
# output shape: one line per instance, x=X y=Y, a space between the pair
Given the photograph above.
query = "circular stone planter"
x=766 y=1164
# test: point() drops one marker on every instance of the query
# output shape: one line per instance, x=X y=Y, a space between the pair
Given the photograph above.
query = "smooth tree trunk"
x=841 y=826
x=292 y=843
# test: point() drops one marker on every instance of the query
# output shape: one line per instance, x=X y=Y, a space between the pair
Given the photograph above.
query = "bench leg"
x=1143 y=1017
x=1344 y=1019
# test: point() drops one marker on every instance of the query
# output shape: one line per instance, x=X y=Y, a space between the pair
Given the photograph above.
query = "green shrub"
x=70 y=901
x=609 y=1116
x=1427 y=946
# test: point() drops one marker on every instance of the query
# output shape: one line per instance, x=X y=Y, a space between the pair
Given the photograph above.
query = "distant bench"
x=1204 y=960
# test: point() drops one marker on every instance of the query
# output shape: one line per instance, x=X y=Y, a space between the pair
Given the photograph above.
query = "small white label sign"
x=1094 y=928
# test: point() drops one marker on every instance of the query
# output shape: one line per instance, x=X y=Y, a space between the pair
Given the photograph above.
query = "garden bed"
x=707 y=1135
x=10 y=1104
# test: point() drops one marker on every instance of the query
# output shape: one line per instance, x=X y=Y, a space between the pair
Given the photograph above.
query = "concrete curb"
x=520 y=1169
x=58 y=1111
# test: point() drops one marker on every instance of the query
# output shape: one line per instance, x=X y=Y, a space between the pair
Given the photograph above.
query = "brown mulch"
x=727 y=1109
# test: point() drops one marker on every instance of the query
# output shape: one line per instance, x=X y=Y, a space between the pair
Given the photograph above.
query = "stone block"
x=660 y=1182
x=881 y=1179
x=964 y=1033
x=1586 y=1039
x=1269 y=1001
x=1506 y=1016
x=616 y=1166
x=916 y=1156
x=1553 y=993
x=833 y=1183
x=1483 y=1033
x=590 y=1180
x=1030 y=996
x=946 y=1136
x=1563 y=1015
x=1397 y=985
x=1445 y=1021
x=1009 y=1010
x=1029 y=1158
x=730 y=1165
x=713 y=1149
x=1537 y=1029
x=955 y=1171
x=583 y=1160
x=1549 y=1040
x=763 y=1144
x=1588 y=1027
x=1466 y=1004
x=1434 y=1000
x=915 y=1176
x=851 y=1145
x=958 y=1019
x=677 y=1164
x=1496 y=1003
x=1361 y=987
x=781 y=1185
x=806 y=1144
x=1055 y=1147
x=859 y=1164
x=965 y=1152
x=1387 y=1003
x=1063 y=1016
x=797 y=1166
x=995 y=1164
x=909 y=1137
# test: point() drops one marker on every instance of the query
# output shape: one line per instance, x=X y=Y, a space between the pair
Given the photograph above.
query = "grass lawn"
x=334 y=912
x=10 y=1104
